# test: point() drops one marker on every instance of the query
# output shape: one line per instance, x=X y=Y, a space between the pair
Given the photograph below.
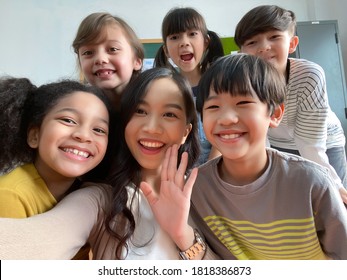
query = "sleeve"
x=12 y=204
x=311 y=125
x=55 y=234
x=331 y=222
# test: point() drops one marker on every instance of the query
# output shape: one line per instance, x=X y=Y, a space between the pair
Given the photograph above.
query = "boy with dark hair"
x=255 y=202
x=309 y=127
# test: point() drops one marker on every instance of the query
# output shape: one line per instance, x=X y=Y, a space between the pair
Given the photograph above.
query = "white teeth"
x=229 y=136
x=76 y=152
x=151 y=144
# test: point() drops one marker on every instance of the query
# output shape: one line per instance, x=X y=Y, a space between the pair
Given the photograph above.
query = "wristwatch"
x=198 y=247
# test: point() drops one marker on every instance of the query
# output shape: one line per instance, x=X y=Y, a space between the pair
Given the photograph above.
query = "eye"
x=244 y=102
x=170 y=115
x=67 y=120
x=100 y=131
x=250 y=43
x=193 y=33
x=87 y=53
x=173 y=37
x=113 y=49
x=140 y=111
x=210 y=106
x=274 y=37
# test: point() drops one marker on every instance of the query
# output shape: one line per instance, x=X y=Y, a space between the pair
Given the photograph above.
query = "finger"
x=172 y=167
x=164 y=171
x=181 y=171
x=188 y=187
x=148 y=192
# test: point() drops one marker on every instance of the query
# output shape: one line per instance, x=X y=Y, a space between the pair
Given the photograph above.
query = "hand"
x=171 y=206
x=343 y=193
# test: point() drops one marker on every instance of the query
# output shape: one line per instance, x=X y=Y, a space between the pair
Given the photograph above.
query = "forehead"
x=163 y=91
x=79 y=99
x=112 y=32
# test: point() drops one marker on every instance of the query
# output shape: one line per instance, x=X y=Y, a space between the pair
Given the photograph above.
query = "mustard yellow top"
x=23 y=193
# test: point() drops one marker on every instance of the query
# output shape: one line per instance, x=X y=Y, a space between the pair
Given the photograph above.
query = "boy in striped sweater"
x=309 y=127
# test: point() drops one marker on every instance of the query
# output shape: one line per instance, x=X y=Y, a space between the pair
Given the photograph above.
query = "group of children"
x=140 y=155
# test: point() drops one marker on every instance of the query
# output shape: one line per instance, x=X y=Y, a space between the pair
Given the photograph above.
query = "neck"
x=244 y=171
x=193 y=77
x=152 y=177
x=56 y=183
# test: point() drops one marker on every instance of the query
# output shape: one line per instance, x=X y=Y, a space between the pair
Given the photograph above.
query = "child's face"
x=236 y=126
x=186 y=49
x=159 y=122
x=273 y=46
x=72 y=138
x=109 y=64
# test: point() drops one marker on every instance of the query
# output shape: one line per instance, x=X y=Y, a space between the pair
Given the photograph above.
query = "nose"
x=101 y=57
x=264 y=46
x=153 y=125
x=82 y=134
x=228 y=117
x=184 y=40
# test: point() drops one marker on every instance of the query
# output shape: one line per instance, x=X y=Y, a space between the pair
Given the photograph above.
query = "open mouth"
x=151 y=145
x=187 y=57
x=76 y=152
x=104 y=73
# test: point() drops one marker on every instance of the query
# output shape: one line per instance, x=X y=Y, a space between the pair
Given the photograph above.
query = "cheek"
x=129 y=134
x=102 y=145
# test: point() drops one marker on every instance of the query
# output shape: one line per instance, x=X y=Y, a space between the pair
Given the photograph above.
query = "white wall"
x=36 y=35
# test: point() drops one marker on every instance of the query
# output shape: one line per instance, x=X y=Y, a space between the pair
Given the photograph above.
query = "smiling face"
x=72 y=138
x=186 y=49
x=109 y=63
x=273 y=46
x=158 y=123
x=237 y=126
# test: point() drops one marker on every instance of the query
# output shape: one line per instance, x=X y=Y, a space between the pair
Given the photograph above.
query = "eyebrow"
x=211 y=98
x=72 y=110
x=169 y=105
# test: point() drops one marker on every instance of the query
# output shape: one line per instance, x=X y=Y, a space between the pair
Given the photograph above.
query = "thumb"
x=150 y=195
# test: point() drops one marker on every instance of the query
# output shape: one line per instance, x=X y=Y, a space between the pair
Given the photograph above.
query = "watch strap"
x=198 y=247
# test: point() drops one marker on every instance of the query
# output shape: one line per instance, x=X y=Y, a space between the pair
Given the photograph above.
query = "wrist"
x=196 y=250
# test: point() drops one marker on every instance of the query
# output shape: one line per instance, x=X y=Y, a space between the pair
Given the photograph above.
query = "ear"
x=165 y=51
x=186 y=133
x=137 y=64
x=33 y=137
x=207 y=42
x=294 y=41
x=277 y=116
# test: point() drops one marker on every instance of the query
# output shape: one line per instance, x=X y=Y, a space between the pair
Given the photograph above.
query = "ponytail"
x=161 y=59
x=214 y=50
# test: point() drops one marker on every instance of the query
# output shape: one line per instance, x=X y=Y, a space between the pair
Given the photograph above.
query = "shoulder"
x=209 y=165
x=96 y=194
x=299 y=65
x=23 y=178
x=297 y=166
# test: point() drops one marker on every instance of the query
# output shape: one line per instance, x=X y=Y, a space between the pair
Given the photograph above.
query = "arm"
x=55 y=234
x=312 y=121
x=171 y=206
x=331 y=222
